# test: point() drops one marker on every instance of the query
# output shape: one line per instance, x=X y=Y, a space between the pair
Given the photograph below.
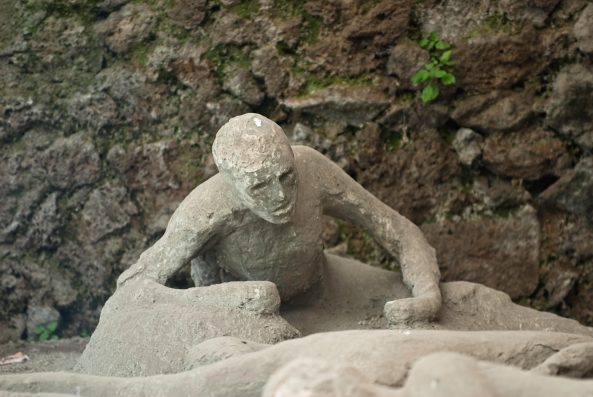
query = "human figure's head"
x=254 y=155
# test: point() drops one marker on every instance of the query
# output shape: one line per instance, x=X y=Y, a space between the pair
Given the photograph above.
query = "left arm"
x=343 y=197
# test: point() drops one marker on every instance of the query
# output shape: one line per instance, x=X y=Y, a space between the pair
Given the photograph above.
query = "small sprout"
x=47 y=332
x=436 y=71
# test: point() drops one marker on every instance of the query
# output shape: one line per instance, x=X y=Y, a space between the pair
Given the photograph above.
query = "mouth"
x=283 y=209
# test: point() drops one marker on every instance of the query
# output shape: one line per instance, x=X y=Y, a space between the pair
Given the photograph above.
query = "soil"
x=60 y=355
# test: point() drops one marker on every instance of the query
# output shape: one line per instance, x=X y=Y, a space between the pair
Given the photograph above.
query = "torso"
x=290 y=255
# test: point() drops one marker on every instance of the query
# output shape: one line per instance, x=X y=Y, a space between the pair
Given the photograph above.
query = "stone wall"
x=108 y=109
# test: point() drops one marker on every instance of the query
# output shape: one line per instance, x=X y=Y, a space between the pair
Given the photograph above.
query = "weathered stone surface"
x=583 y=30
x=495 y=111
x=354 y=105
x=468 y=145
x=496 y=192
x=127 y=27
x=405 y=59
x=18 y=115
x=534 y=11
x=97 y=110
x=231 y=29
x=454 y=20
x=394 y=179
x=504 y=61
x=40 y=316
x=570 y=108
x=274 y=70
x=370 y=144
x=362 y=36
x=573 y=192
x=502 y=253
x=188 y=13
x=242 y=84
x=43 y=230
x=530 y=154
x=71 y=162
x=107 y=210
x=13 y=329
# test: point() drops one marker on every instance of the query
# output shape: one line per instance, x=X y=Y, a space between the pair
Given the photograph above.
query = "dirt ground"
x=60 y=355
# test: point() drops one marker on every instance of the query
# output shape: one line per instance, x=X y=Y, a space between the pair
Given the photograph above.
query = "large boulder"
x=570 y=107
x=502 y=253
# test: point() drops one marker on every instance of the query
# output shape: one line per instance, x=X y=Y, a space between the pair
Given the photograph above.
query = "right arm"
x=199 y=218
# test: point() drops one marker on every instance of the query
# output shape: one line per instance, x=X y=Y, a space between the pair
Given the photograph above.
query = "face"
x=271 y=190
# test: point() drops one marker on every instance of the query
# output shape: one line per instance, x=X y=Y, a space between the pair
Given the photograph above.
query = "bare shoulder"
x=315 y=163
x=209 y=203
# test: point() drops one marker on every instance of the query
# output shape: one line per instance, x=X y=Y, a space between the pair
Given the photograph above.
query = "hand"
x=409 y=311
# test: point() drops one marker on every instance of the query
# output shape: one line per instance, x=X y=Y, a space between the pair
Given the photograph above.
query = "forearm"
x=160 y=261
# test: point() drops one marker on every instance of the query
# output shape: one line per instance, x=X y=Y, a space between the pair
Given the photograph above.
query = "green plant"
x=439 y=70
x=47 y=332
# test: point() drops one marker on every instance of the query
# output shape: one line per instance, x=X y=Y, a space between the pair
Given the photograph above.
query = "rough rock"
x=18 y=115
x=65 y=41
x=362 y=39
x=127 y=27
x=354 y=105
x=96 y=109
x=139 y=332
x=468 y=145
x=71 y=162
x=495 y=111
x=502 y=253
x=394 y=179
x=529 y=155
x=231 y=29
x=43 y=230
x=40 y=316
x=13 y=329
x=496 y=192
x=188 y=13
x=534 y=11
x=455 y=19
x=242 y=84
x=274 y=70
x=107 y=210
x=504 y=61
x=573 y=191
x=583 y=30
x=405 y=59
x=370 y=144
x=570 y=108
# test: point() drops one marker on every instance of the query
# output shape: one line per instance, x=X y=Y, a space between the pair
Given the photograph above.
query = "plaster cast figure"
x=443 y=374
x=367 y=363
x=260 y=219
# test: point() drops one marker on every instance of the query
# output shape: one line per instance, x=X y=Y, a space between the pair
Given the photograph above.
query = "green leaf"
x=429 y=93
x=439 y=73
x=39 y=329
x=441 y=45
x=420 y=76
x=446 y=56
x=44 y=336
x=448 y=79
x=423 y=43
x=51 y=327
